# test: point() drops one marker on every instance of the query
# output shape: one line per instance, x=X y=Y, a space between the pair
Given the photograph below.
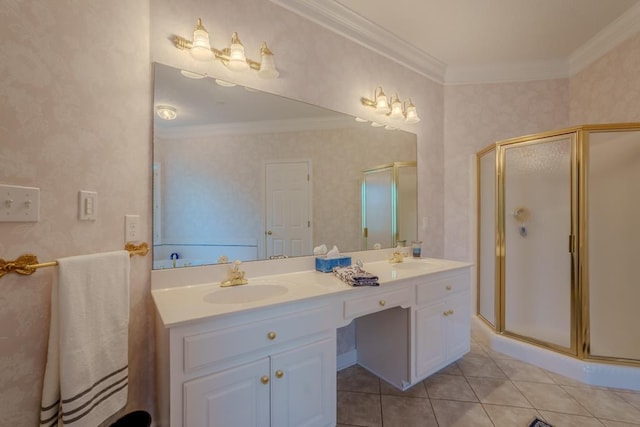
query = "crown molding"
x=608 y=38
x=250 y=128
x=354 y=27
x=345 y=22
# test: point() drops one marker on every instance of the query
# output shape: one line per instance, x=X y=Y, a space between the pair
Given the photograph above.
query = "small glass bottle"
x=416 y=248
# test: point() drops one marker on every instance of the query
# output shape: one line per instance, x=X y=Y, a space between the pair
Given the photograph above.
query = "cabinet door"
x=236 y=397
x=458 y=326
x=303 y=387
x=430 y=338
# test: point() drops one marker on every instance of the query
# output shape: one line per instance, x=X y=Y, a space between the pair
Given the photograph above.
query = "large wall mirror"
x=249 y=175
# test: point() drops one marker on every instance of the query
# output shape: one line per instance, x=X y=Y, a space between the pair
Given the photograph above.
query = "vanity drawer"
x=380 y=301
x=208 y=348
x=437 y=288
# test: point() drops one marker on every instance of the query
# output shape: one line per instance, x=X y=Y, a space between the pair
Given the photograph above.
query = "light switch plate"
x=19 y=204
x=87 y=205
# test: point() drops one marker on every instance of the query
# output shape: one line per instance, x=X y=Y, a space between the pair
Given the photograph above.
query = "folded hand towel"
x=355 y=276
x=86 y=375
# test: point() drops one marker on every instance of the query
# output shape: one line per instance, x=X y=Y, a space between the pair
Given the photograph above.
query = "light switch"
x=19 y=204
x=87 y=205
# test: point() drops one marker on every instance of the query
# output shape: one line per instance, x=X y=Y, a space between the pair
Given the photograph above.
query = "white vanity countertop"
x=182 y=304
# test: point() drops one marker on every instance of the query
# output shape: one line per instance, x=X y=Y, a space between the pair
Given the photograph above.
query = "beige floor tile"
x=417 y=390
x=522 y=371
x=480 y=367
x=618 y=424
x=550 y=397
x=604 y=404
x=508 y=416
x=407 y=412
x=496 y=355
x=630 y=397
x=498 y=392
x=360 y=409
x=477 y=350
x=356 y=378
x=449 y=387
x=562 y=380
x=451 y=369
x=565 y=420
x=460 y=414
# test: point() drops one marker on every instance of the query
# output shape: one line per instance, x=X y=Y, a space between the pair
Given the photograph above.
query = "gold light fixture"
x=394 y=109
x=233 y=57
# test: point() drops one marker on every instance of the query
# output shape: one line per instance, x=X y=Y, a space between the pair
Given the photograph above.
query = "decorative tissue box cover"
x=326 y=264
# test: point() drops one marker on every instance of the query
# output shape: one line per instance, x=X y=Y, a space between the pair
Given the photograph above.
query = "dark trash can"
x=134 y=419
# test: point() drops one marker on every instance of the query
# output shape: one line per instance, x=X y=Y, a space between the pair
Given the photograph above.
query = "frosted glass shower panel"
x=378 y=199
x=613 y=218
x=487 y=227
x=537 y=226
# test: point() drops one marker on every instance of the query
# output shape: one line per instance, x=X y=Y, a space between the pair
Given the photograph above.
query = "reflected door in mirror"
x=288 y=221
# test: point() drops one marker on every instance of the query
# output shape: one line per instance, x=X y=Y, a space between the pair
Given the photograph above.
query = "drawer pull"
x=271 y=335
x=279 y=374
x=448 y=313
x=264 y=379
x=448 y=287
x=382 y=302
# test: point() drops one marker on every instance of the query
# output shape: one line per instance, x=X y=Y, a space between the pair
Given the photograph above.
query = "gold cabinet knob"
x=382 y=302
x=448 y=312
x=279 y=374
x=264 y=379
x=269 y=233
x=271 y=335
x=448 y=287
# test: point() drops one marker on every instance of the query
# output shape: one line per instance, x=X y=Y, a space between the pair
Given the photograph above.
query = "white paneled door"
x=287 y=209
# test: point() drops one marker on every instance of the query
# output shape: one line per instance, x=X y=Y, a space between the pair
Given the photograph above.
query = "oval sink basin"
x=244 y=293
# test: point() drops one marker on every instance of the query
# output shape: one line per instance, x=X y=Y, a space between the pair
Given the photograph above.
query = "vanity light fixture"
x=394 y=109
x=166 y=112
x=233 y=57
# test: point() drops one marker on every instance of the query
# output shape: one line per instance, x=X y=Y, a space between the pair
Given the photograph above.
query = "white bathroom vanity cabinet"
x=272 y=362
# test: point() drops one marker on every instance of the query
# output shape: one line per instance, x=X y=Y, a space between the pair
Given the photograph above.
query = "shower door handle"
x=572 y=243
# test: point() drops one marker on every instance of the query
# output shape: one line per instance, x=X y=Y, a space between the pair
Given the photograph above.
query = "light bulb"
x=267 y=65
x=411 y=114
x=396 y=108
x=201 y=49
x=382 y=106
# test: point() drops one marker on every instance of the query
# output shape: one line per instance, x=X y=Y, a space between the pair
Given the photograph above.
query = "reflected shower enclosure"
x=558 y=226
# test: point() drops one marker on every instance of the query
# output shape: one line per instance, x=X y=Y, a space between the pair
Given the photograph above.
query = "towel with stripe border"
x=86 y=376
x=355 y=275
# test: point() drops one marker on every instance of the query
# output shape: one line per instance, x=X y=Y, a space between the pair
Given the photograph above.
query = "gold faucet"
x=236 y=277
x=397 y=256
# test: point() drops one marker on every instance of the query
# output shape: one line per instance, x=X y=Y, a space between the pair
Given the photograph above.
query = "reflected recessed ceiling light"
x=166 y=112
x=360 y=120
x=376 y=124
x=224 y=83
x=387 y=127
x=192 y=75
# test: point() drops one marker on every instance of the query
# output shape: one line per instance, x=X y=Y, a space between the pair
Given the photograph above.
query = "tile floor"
x=484 y=388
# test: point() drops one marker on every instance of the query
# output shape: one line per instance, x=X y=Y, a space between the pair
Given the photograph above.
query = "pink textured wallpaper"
x=608 y=91
x=479 y=115
x=75 y=91
x=75 y=98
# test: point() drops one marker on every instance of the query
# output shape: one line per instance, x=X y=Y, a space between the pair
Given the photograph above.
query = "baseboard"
x=347 y=359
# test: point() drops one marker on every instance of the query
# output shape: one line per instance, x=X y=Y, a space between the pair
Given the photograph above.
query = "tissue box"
x=326 y=264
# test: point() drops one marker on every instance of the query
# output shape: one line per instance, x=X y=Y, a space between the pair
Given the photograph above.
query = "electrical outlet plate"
x=131 y=228
x=19 y=204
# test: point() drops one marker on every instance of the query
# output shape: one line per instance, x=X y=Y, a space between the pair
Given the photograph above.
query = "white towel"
x=86 y=377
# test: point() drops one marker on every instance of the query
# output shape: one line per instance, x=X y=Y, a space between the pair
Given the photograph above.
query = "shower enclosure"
x=558 y=238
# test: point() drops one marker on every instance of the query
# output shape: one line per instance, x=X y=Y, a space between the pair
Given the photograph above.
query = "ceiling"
x=465 y=41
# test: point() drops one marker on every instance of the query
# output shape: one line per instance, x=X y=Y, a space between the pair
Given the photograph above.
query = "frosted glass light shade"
x=382 y=106
x=412 y=114
x=201 y=48
x=237 y=59
x=267 y=65
x=396 y=109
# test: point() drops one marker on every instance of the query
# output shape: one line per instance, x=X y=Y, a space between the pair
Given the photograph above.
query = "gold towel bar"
x=27 y=264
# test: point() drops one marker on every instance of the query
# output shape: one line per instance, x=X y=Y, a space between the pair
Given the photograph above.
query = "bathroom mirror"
x=250 y=175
